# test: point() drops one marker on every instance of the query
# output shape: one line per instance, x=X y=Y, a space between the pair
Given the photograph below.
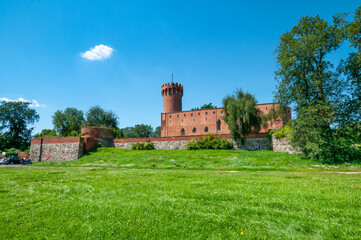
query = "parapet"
x=169 y=89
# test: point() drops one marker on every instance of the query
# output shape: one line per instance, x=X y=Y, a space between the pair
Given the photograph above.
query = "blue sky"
x=211 y=47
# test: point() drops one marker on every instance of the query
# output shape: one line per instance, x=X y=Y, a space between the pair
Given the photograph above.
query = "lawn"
x=124 y=194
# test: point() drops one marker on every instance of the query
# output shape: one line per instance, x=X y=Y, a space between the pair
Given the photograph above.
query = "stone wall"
x=181 y=142
x=56 y=149
x=283 y=145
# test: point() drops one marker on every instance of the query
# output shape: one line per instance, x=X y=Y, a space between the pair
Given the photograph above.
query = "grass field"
x=124 y=194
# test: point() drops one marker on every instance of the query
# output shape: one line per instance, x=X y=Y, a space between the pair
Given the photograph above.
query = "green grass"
x=120 y=194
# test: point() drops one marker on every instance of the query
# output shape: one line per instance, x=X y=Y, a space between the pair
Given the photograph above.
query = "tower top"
x=172 y=97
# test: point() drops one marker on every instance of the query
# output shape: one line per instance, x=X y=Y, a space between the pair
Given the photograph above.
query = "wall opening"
x=219 y=125
x=194 y=130
x=183 y=132
x=206 y=129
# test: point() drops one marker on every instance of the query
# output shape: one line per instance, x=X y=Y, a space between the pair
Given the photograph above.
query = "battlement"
x=169 y=89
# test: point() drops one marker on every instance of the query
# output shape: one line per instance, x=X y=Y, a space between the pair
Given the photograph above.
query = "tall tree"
x=205 y=106
x=97 y=116
x=15 y=118
x=241 y=115
x=68 y=122
x=316 y=90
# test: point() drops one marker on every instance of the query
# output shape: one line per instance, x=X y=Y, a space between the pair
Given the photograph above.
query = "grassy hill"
x=124 y=194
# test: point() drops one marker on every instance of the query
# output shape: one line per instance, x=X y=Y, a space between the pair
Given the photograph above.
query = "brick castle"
x=175 y=122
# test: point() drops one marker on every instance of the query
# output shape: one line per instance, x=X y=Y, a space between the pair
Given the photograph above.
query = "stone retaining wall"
x=251 y=144
x=283 y=145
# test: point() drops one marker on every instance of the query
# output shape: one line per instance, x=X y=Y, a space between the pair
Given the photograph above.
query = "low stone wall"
x=250 y=144
x=283 y=145
x=56 y=149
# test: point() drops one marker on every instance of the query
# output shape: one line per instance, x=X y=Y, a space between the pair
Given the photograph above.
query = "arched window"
x=183 y=133
x=219 y=125
x=194 y=130
x=206 y=129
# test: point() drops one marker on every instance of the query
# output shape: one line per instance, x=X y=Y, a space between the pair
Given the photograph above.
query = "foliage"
x=205 y=106
x=138 y=131
x=97 y=116
x=209 y=142
x=284 y=132
x=323 y=97
x=14 y=120
x=12 y=152
x=143 y=146
x=241 y=115
x=156 y=132
x=46 y=133
x=68 y=122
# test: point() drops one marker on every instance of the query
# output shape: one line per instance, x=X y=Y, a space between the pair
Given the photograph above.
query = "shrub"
x=209 y=142
x=12 y=152
x=143 y=146
x=283 y=132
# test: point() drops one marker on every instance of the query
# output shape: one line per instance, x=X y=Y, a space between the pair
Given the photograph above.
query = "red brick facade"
x=201 y=122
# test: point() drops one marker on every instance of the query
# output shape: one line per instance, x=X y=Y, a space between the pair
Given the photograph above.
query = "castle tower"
x=172 y=97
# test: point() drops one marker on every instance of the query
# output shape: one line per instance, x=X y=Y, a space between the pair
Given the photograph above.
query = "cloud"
x=98 y=52
x=33 y=103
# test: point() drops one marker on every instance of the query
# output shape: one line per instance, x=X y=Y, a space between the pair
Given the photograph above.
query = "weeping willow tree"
x=241 y=115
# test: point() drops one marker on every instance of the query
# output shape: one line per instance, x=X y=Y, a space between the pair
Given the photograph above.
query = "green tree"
x=309 y=82
x=205 y=106
x=68 y=122
x=46 y=133
x=97 y=116
x=156 y=132
x=241 y=115
x=15 y=118
x=142 y=130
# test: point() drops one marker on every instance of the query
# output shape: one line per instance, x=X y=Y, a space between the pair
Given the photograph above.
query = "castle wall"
x=253 y=142
x=206 y=119
x=283 y=145
x=56 y=149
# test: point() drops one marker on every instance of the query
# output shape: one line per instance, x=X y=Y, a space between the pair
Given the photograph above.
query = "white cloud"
x=33 y=103
x=98 y=52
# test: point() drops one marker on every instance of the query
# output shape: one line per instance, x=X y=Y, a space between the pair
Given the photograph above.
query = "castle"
x=177 y=128
x=175 y=122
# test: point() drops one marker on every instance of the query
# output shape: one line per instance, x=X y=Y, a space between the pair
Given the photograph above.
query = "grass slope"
x=119 y=194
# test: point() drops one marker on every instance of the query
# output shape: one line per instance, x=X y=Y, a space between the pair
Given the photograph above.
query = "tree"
x=205 y=106
x=142 y=130
x=68 y=122
x=14 y=120
x=156 y=132
x=319 y=94
x=241 y=115
x=97 y=116
x=46 y=133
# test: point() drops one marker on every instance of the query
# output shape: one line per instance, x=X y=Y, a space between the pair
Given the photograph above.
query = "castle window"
x=199 y=114
x=185 y=114
x=206 y=129
x=221 y=112
x=177 y=115
x=183 y=133
x=206 y=113
x=266 y=108
x=166 y=92
x=219 y=125
x=214 y=112
x=170 y=116
x=191 y=114
x=194 y=130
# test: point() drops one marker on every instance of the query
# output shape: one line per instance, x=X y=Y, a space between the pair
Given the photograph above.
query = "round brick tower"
x=172 y=97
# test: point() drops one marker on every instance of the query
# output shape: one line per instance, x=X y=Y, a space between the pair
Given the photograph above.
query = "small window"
x=177 y=115
x=206 y=113
x=221 y=112
x=185 y=115
x=266 y=108
x=199 y=114
x=194 y=130
x=214 y=112
x=206 y=129
x=183 y=133
x=170 y=116
x=191 y=114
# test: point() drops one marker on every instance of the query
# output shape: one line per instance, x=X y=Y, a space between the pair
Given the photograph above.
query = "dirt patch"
x=349 y=172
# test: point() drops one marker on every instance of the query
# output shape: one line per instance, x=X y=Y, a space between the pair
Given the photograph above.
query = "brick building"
x=175 y=122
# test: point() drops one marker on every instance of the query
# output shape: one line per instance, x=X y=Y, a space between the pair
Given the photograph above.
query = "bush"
x=143 y=146
x=209 y=142
x=12 y=152
x=283 y=132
